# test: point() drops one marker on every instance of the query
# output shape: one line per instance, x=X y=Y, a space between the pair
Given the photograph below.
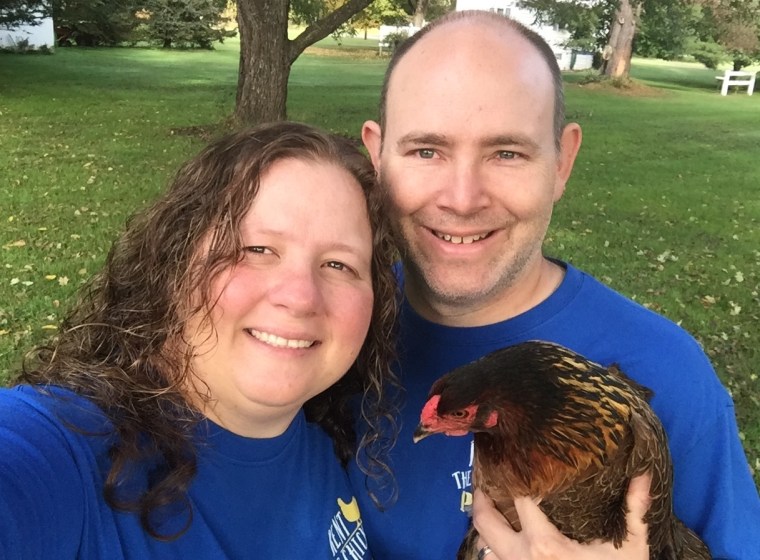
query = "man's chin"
x=453 y=289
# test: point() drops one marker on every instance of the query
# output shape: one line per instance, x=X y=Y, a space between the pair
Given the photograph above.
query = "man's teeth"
x=278 y=341
x=458 y=240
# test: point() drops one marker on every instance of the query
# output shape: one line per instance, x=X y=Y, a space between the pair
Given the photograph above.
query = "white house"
x=566 y=58
x=36 y=36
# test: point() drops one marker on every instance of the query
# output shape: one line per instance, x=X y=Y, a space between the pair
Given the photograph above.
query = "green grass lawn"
x=663 y=204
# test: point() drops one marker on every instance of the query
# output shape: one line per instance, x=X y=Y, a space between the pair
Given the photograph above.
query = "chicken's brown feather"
x=569 y=432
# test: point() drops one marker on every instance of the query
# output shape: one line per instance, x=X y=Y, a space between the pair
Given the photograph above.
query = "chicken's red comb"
x=430 y=410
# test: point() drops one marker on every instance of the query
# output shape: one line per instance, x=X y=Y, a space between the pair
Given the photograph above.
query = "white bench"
x=737 y=78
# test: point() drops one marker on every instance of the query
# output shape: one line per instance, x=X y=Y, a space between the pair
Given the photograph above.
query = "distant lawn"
x=663 y=204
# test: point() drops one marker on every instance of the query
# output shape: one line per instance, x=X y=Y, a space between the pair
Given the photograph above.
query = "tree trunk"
x=264 y=61
x=419 y=13
x=617 y=54
x=266 y=54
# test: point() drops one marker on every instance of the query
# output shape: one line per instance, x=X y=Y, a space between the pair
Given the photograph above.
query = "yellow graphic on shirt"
x=465 y=503
x=350 y=510
x=346 y=533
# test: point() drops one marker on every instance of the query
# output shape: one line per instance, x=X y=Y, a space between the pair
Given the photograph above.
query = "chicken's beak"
x=420 y=433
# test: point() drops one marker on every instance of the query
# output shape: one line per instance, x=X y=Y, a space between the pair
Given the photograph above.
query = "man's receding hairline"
x=502 y=24
x=494 y=21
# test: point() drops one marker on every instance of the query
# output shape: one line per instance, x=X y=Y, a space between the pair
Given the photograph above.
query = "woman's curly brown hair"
x=118 y=345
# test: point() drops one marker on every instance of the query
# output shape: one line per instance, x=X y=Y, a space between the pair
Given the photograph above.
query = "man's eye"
x=426 y=153
x=506 y=154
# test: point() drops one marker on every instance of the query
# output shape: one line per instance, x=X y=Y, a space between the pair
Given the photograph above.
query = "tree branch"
x=324 y=26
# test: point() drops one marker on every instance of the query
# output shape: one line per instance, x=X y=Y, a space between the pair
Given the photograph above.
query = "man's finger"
x=492 y=528
x=638 y=501
x=486 y=518
x=531 y=516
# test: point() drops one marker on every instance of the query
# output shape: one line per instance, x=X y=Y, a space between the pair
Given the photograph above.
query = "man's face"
x=469 y=160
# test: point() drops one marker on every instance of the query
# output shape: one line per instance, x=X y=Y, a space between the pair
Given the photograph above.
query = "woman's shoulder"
x=47 y=464
x=52 y=423
x=29 y=404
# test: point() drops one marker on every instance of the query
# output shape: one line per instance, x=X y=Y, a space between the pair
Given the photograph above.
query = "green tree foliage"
x=666 y=29
x=183 y=23
x=437 y=8
x=19 y=12
x=380 y=12
x=588 y=22
x=728 y=30
x=92 y=23
x=711 y=31
x=663 y=26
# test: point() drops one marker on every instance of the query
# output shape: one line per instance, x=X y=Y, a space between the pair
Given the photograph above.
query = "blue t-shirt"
x=284 y=497
x=714 y=492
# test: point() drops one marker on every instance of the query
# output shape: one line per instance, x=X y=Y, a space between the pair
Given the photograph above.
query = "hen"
x=550 y=424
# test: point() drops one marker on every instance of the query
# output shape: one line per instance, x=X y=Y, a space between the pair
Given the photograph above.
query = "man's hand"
x=540 y=540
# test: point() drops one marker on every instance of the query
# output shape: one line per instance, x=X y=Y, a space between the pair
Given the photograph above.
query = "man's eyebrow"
x=510 y=140
x=428 y=138
x=434 y=139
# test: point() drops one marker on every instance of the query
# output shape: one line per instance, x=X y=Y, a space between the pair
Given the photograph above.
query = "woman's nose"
x=298 y=290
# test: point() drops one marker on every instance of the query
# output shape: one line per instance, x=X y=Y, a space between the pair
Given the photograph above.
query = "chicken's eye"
x=459 y=414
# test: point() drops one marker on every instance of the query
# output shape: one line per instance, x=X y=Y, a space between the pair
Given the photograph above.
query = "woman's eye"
x=337 y=265
x=258 y=249
x=426 y=153
x=506 y=154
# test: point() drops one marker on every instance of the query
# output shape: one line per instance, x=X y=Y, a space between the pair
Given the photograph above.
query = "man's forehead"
x=465 y=82
x=458 y=50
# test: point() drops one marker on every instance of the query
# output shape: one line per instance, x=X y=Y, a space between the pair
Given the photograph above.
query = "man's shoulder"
x=610 y=327
x=596 y=301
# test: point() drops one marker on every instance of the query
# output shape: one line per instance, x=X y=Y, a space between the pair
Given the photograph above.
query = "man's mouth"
x=461 y=239
x=278 y=341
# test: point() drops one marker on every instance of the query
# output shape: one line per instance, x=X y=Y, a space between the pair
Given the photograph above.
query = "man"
x=473 y=152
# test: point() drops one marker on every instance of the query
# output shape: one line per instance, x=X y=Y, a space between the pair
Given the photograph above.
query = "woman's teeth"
x=278 y=341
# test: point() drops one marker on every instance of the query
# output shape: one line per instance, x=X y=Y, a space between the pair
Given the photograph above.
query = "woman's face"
x=291 y=317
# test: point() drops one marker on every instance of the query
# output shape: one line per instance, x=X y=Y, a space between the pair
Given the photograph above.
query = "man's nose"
x=464 y=192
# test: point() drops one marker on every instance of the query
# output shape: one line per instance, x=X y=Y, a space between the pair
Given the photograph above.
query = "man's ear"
x=372 y=138
x=570 y=143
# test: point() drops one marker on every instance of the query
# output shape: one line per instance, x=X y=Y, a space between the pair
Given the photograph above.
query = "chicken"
x=554 y=426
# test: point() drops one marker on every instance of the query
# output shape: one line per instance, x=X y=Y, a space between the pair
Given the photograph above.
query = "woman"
x=196 y=402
